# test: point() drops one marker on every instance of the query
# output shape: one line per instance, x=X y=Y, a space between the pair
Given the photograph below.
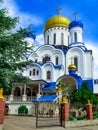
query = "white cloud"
x=25 y=19
x=12 y=8
x=40 y=39
x=93 y=46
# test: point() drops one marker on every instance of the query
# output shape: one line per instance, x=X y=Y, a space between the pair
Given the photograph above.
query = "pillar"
x=2 y=108
x=11 y=98
x=24 y=96
x=65 y=112
x=38 y=95
x=89 y=111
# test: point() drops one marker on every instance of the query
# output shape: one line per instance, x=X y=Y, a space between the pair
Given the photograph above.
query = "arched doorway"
x=17 y=91
x=28 y=92
x=69 y=83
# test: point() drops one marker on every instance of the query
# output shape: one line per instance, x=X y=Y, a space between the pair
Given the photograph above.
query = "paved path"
x=28 y=123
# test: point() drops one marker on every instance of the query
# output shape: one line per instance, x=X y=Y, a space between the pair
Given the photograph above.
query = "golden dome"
x=56 y=21
x=72 y=67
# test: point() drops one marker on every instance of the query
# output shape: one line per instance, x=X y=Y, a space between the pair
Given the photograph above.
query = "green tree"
x=12 y=48
x=81 y=97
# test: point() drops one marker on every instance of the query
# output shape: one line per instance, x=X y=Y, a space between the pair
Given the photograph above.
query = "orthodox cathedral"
x=63 y=57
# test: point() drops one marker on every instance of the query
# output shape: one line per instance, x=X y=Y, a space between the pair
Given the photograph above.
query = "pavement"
x=29 y=123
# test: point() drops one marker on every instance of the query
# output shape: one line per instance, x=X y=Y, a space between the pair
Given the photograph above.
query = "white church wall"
x=60 y=56
x=13 y=108
x=95 y=88
x=79 y=35
x=47 y=67
x=88 y=68
x=75 y=52
x=30 y=68
x=58 y=31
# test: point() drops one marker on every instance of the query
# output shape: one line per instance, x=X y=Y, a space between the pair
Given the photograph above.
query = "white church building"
x=63 y=56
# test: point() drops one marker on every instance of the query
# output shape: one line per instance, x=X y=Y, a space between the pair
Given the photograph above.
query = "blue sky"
x=38 y=11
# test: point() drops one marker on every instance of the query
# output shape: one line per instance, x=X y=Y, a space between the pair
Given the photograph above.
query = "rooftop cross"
x=59 y=9
x=75 y=15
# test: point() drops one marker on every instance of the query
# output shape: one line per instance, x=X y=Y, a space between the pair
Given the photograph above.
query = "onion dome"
x=30 y=35
x=57 y=21
x=75 y=23
x=71 y=67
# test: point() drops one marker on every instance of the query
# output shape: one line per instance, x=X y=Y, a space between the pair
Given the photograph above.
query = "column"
x=38 y=95
x=2 y=108
x=89 y=111
x=24 y=96
x=12 y=95
x=64 y=112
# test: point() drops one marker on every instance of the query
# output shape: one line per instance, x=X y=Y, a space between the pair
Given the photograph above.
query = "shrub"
x=81 y=118
x=22 y=110
x=71 y=118
x=95 y=115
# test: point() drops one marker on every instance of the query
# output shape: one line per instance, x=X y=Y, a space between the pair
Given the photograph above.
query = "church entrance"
x=70 y=85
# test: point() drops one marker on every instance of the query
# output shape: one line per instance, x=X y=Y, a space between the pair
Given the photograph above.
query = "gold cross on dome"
x=75 y=15
x=59 y=9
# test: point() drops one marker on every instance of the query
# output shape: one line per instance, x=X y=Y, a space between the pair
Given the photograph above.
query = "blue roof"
x=49 y=62
x=78 y=78
x=75 y=23
x=51 y=86
x=46 y=98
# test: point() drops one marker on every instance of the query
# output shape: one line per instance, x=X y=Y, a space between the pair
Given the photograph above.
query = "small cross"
x=75 y=15
x=59 y=9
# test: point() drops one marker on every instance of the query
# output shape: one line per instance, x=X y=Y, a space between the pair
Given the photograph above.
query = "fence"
x=47 y=114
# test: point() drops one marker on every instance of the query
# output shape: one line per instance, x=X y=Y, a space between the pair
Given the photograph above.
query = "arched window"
x=75 y=37
x=37 y=72
x=48 y=75
x=30 y=73
x=46 y=58
x=36 y=60
x=57 y=60
x=76 y=62
x=62 y=38
x=54 y=38
x=48 y=39
x=33 y=72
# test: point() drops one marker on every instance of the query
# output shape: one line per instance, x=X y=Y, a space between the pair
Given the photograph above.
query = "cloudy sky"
x=37 y=12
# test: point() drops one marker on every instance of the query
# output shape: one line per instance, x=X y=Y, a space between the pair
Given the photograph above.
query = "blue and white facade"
x=50 y=62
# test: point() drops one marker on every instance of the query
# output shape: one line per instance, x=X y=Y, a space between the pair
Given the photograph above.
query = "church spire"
x=75 y=15
x=58 y=10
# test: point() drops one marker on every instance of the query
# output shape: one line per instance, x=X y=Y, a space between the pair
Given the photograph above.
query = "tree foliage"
x=12 y=48
x=81 y=97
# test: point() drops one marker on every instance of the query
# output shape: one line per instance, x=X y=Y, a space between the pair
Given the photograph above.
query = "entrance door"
x=47 y=114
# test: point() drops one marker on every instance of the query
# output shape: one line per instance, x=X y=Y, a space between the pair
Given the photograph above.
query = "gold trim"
x=57 y=21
